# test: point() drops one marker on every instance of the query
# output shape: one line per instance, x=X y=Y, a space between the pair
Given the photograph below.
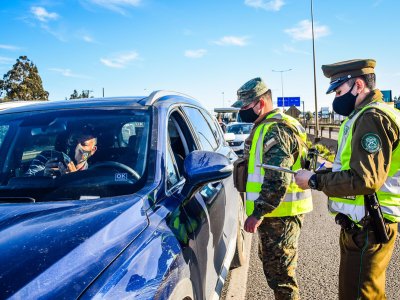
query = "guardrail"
x=323 y=127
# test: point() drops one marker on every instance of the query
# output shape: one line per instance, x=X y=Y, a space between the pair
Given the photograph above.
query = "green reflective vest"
x=296 y=201
x=389 y=193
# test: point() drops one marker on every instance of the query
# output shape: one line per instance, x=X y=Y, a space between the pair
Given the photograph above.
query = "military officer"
x=275 y=205
x=367 y=161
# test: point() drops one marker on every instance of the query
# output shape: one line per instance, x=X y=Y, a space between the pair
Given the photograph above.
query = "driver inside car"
x=80 y=146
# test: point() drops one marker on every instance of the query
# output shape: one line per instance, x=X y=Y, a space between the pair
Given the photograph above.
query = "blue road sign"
x=387 y=95
x=288 y=101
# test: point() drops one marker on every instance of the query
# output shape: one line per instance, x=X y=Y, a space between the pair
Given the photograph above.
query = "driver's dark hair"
x=85 y=133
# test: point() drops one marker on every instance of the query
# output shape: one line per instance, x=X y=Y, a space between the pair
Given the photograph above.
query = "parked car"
x=155 y=216
x=241 y=131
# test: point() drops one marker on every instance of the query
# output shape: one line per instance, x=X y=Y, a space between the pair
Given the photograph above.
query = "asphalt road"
x=318 y=260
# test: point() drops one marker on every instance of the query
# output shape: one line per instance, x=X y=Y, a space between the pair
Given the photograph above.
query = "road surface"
x=318 y=260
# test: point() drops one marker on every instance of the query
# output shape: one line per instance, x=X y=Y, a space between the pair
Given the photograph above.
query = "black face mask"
x=248 y=115
x=345 y=104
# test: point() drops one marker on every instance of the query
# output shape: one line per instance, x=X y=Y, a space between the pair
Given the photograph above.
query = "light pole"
x=316 y=131
x=223 y=99
x=281 y=71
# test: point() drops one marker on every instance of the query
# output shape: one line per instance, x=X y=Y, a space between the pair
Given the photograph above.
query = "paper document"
x=275 y=168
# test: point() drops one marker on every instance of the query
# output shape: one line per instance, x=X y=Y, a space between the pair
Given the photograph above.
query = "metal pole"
x=316 y=131
x=281 y=71
x=304 y=116
x=103 y=92
x=223 y=99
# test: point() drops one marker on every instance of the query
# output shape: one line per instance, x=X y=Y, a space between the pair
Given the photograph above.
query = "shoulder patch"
x=371 y=142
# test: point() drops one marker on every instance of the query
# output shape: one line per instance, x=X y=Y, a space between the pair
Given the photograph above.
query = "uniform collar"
x=373 y=96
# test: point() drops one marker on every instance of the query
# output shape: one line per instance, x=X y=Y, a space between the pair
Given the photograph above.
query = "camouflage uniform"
x=278 y=236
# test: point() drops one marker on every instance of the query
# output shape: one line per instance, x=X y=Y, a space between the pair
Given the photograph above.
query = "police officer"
x=367 y=161
x=275 y=205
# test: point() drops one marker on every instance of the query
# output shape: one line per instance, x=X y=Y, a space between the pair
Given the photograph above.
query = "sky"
x=204 y=48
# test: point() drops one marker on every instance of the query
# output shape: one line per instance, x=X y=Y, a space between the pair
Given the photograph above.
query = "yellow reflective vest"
x=296 y=201
x=389 y=193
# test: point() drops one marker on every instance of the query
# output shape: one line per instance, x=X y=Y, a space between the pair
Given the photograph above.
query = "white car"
x=241 y=132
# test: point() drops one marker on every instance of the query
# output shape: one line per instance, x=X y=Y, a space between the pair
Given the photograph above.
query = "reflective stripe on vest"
x=296 y=201
x=389 y=193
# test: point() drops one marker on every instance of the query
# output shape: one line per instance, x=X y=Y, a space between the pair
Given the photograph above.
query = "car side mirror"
x=229 y=136
x=201 y=167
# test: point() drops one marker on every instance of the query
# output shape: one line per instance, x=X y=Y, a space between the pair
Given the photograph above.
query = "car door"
x=213 y=198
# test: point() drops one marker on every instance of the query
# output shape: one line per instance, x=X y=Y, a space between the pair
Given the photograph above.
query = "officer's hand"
x=302 y=178
x=251 y=224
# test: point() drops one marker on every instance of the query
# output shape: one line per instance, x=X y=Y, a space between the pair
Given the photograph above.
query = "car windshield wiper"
x=17 y=200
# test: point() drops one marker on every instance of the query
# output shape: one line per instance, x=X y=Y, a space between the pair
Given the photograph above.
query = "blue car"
x=116 y=198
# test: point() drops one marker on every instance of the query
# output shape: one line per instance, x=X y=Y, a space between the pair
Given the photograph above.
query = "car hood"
x=57 y=249
x=240 y=137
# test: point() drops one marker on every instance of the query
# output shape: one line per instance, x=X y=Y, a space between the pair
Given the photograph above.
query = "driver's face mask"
x=81 y=155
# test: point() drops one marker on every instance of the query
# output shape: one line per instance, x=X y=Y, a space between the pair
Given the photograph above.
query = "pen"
x=320 y=166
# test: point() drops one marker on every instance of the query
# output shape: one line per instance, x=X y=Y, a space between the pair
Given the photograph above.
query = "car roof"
x=12 y=104
x=156 y=98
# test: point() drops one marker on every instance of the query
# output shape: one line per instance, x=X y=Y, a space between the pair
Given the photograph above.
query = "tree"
x=84 y=94
x=74 y=95
x=23 y=82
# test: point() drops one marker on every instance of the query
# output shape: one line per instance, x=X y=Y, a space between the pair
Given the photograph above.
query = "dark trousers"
x=278 y=244
x=363 y=264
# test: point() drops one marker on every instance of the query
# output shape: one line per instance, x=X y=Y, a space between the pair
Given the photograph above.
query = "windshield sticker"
x=121 y=176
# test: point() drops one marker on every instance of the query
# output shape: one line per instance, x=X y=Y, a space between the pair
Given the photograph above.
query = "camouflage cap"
x=249 y=91
x=342 y=71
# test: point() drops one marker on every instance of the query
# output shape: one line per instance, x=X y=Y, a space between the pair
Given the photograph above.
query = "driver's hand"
x=71 y=167
x=53 y=167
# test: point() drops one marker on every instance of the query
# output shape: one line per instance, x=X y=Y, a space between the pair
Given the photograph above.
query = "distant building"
x=293 y=111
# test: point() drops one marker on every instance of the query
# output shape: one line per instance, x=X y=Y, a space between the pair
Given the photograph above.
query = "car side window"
x=203 y=130
x=214 y=127
x=180 y=140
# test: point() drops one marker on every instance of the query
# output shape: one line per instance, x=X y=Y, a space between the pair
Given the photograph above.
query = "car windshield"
x=239 y=128
x=72 y=154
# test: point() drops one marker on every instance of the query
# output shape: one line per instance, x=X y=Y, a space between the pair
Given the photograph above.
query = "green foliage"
x=309 y=115
x=323 y=151
x=23 y=82
x=84 y=94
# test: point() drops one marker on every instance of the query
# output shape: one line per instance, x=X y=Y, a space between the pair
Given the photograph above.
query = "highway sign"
x=288 y=101
x=387 y=95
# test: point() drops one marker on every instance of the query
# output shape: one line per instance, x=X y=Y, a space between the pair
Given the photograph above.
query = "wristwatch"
x=312 y=182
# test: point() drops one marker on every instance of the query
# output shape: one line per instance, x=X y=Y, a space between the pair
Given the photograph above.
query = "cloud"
x=42 y=14
x=195 y=53
x=232 y=41
x=8 y=47
x=68 y=73
x=6 y=60
x=88 y=39
x=121 y=60
x=291 y=49
x=303 y=31
x=116 y=5
x=274 y=5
